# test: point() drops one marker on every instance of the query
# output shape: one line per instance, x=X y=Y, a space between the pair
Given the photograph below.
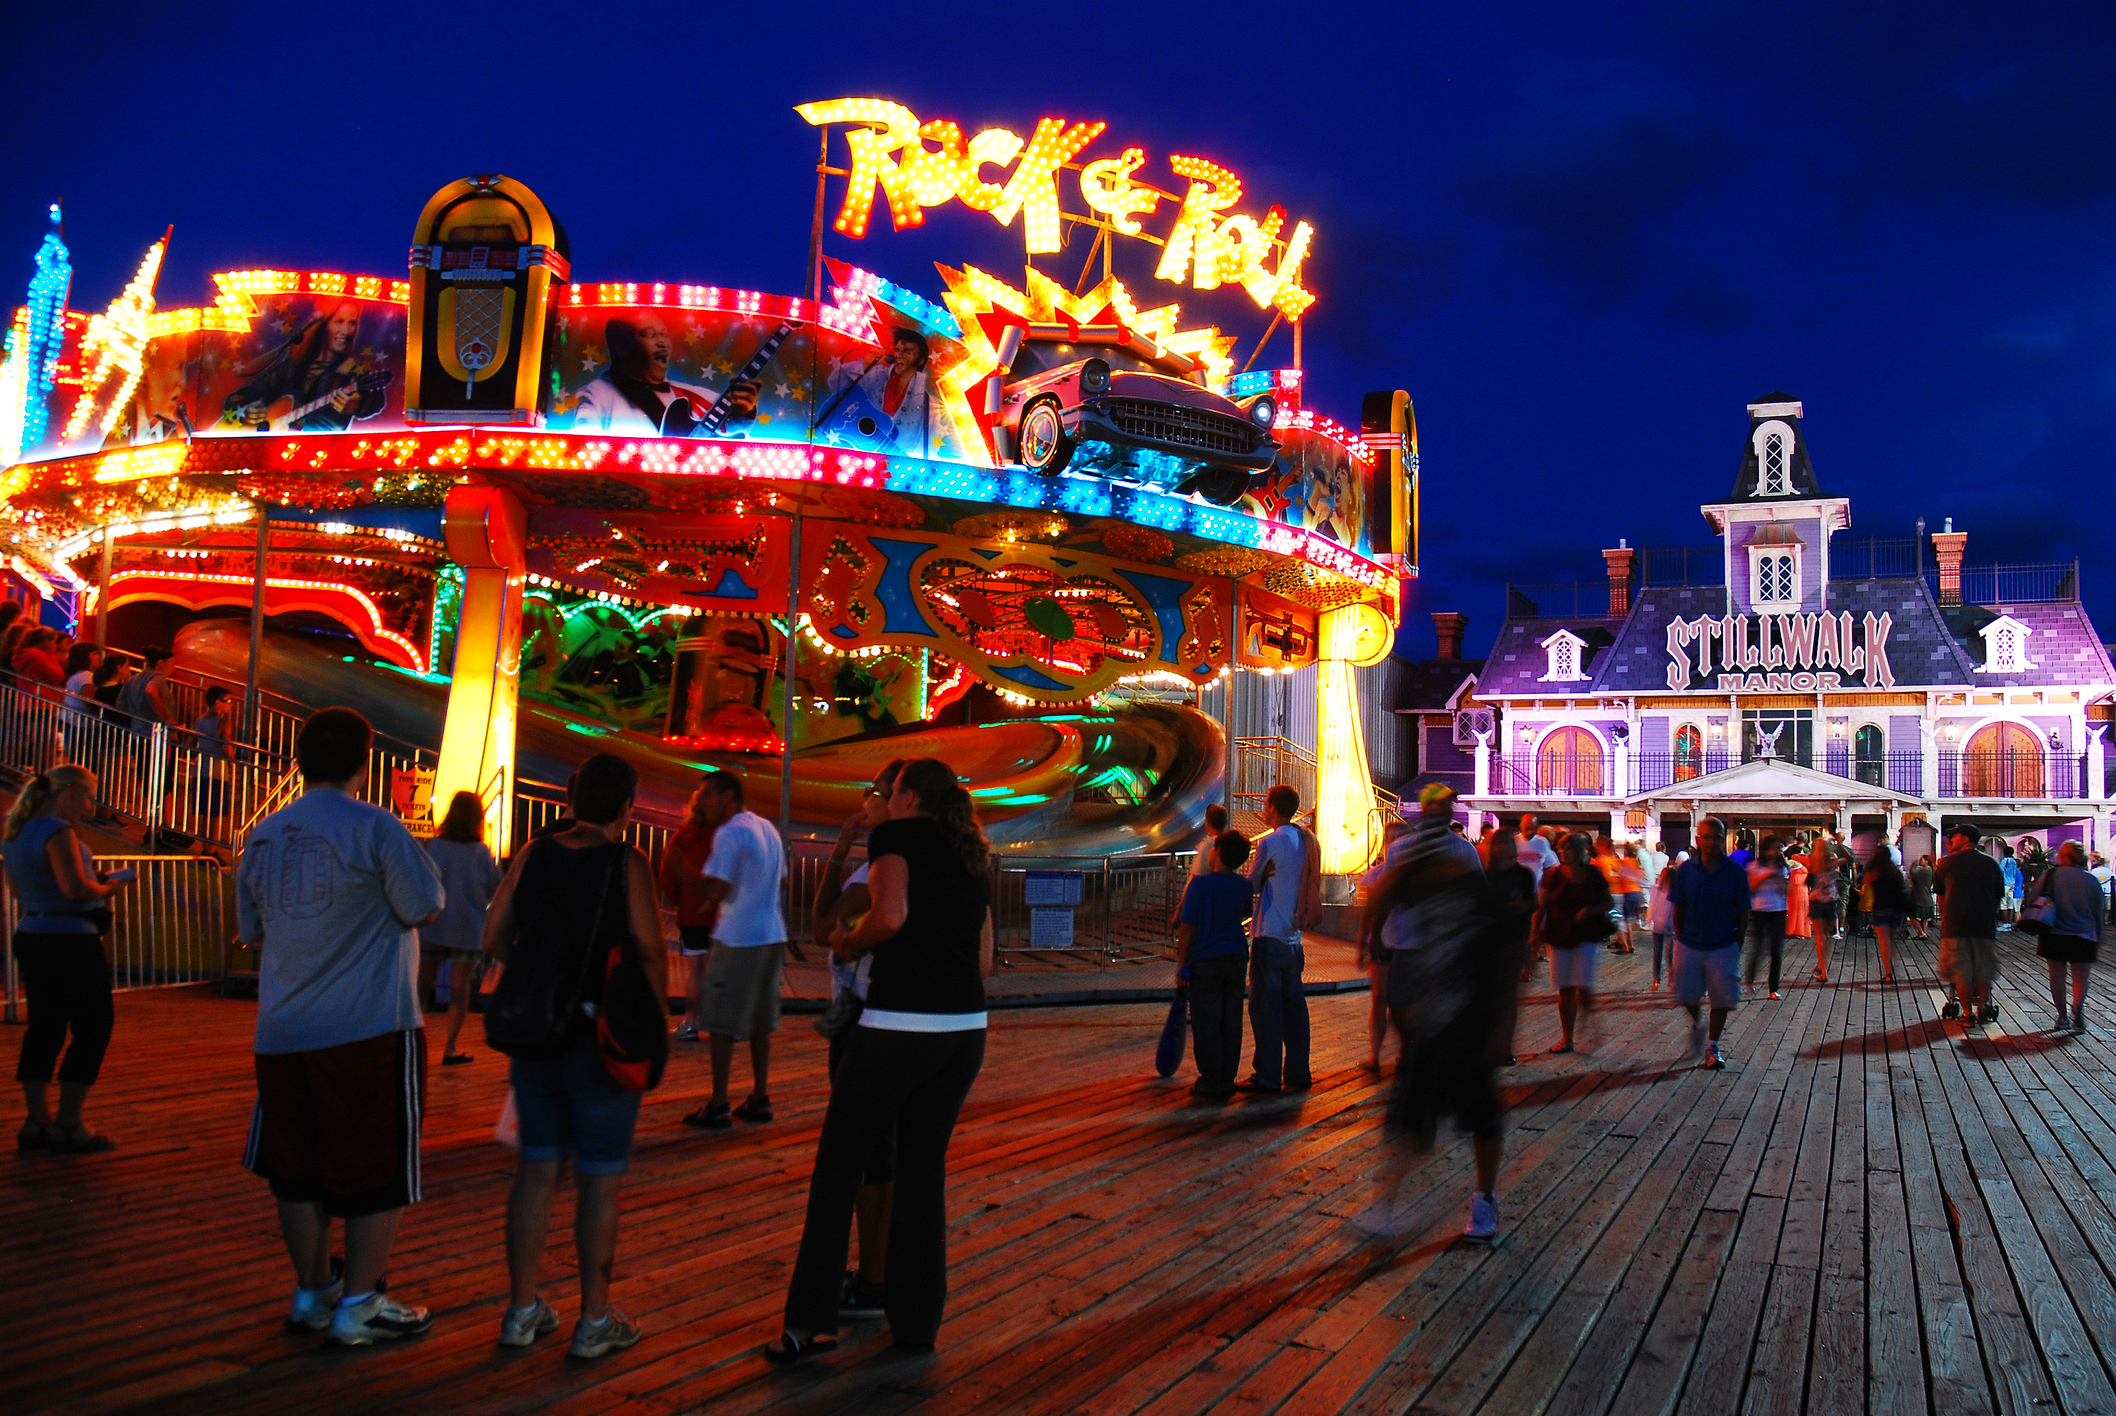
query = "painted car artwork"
x=1110 y=403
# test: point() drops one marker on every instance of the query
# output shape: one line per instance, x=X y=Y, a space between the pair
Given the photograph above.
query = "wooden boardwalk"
x=1866 y=1213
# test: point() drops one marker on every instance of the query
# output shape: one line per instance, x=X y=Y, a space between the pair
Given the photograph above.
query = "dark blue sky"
x=1582 y=237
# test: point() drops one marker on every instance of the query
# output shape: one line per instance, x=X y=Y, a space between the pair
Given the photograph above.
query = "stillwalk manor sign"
x=1802 y=653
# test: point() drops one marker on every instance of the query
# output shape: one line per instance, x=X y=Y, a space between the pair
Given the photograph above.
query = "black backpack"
x=557 y=963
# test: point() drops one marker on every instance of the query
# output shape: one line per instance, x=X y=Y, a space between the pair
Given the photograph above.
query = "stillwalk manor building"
x=1791 y=675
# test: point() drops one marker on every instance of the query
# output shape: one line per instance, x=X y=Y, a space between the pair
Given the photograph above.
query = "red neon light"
x=414 y=657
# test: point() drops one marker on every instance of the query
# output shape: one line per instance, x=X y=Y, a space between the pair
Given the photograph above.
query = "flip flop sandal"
x=454 y=1059
x=790 y=1349
x=1562 y=1047
x=710 y=1117
x=754 y=1109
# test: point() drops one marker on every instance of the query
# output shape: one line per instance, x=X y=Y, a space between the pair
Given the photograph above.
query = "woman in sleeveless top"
x=575 y=893
x=914 y=1054
x=59 y=947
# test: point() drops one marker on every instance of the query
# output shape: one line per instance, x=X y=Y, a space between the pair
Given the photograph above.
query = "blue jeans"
x=1278 y=1014
x=569 y=1107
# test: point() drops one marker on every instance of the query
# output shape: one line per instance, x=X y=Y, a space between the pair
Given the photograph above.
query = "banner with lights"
x=1207 y=244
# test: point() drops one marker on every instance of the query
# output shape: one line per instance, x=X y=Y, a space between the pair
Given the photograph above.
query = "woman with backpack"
x=914 y=1055
x=1574 y=920
x=571 y=901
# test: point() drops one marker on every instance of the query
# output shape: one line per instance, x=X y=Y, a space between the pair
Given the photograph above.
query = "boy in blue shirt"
x=1212 y=951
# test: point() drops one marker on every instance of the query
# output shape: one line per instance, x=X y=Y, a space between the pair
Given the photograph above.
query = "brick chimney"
x=1947 y=550
x=1447 y=627
x=1619 y=579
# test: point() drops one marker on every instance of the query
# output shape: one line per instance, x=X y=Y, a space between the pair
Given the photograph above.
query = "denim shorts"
x=570 y=1109
x=1707 y=973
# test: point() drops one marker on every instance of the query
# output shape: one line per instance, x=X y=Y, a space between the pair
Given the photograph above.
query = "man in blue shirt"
x=1710 y=894
x=1212 y=951
x=1278 y=1008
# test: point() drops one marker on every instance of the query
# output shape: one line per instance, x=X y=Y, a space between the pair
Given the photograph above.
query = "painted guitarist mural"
x=319 y=380
x=645 y=370
x=308 y=363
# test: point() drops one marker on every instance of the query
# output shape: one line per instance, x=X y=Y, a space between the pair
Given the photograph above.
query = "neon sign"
x=1761 y=653
x=918 y=165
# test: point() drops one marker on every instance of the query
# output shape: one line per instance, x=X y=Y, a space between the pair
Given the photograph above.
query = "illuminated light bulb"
x=1106 y=186
x=1190 y=248
x=1033 y=189
x=876 y=128
x=1289 y=296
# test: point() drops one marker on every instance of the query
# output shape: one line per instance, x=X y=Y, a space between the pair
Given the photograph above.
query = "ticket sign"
x=1051 y=927
x=1052 y=887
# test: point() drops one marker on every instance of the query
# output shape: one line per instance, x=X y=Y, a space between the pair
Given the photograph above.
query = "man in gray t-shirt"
x=332 y=891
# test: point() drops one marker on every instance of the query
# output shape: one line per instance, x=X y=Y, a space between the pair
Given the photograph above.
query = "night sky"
x=1582 y=237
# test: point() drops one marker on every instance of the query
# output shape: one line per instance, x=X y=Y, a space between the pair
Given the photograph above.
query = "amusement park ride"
x=519 y=515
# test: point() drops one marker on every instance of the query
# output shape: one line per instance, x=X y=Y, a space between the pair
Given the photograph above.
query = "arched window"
x=2003 y=760
x=1870 y=756
x=1569 y=763
x=1774 y=466
x=1689 y=753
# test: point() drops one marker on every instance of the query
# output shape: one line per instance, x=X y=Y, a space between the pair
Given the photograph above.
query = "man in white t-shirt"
x=743 y=875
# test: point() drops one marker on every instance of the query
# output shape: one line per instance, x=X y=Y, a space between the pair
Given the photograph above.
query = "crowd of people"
x=339 y=897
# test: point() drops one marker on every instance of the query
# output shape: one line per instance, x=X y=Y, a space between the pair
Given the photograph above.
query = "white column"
x=1928 y=759
x=1483 y=783
x=1616 y=823
x=1653 y=822
x=1844 y=815
x=1622 y=785
x=1895 y=822
x=2097 y=760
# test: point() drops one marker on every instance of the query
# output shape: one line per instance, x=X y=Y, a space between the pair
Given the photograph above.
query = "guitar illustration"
x=683 y=421
x=852 y=419
x=283 y=414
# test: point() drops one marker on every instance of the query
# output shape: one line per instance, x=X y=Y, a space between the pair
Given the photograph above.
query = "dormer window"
x=1773 y=442
x=1774 y=573
x=1566 y=659
x=2006 y=647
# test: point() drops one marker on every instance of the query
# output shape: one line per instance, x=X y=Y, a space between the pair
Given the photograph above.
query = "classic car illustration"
x=1105 y=400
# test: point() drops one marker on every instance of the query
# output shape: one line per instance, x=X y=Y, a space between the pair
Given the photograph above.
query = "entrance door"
x=1569 y=763
x=2003 y=760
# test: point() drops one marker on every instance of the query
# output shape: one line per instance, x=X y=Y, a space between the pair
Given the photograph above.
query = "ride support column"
x=486 y=531
x=1347 y=637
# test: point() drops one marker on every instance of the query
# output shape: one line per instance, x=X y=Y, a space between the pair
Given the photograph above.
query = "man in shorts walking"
x=741 y=996
x=1710 y=893
x=1970 y=888
x=333 y=891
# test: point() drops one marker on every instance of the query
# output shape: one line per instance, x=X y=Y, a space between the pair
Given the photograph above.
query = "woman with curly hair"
x=914 y=1054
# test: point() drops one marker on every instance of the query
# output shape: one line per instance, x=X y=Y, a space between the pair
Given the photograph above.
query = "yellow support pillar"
x=1348 y=637
x=486 y=532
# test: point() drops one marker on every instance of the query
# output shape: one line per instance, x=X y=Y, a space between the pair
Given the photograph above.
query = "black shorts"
x=1451 y=1076
x=340 y=1126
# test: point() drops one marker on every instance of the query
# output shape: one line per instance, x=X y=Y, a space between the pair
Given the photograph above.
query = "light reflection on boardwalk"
x=1865 y=1213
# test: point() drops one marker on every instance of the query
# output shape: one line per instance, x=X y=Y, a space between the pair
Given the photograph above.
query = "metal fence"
x=2016 y=584
x=1127 y=906
x=174 y=925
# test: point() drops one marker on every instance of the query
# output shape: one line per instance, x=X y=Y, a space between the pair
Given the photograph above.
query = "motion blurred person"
x=1574 y=910
x=1887 y=900
x=1396 y=841
x=1448 y=978
x=2074 y=937
x=1769 y=899
x=1513 y=889
x=1971 y=890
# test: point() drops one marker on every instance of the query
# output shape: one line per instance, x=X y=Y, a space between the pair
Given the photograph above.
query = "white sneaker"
x=523 y=1329
x=1483 y=1218
x=686 y=1031
x=380 y=1319
x=313 y=1306
x=1696 y=1049
x=610 y=1333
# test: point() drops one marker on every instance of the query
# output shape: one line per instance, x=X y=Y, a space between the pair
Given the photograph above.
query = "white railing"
x=174 y=925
